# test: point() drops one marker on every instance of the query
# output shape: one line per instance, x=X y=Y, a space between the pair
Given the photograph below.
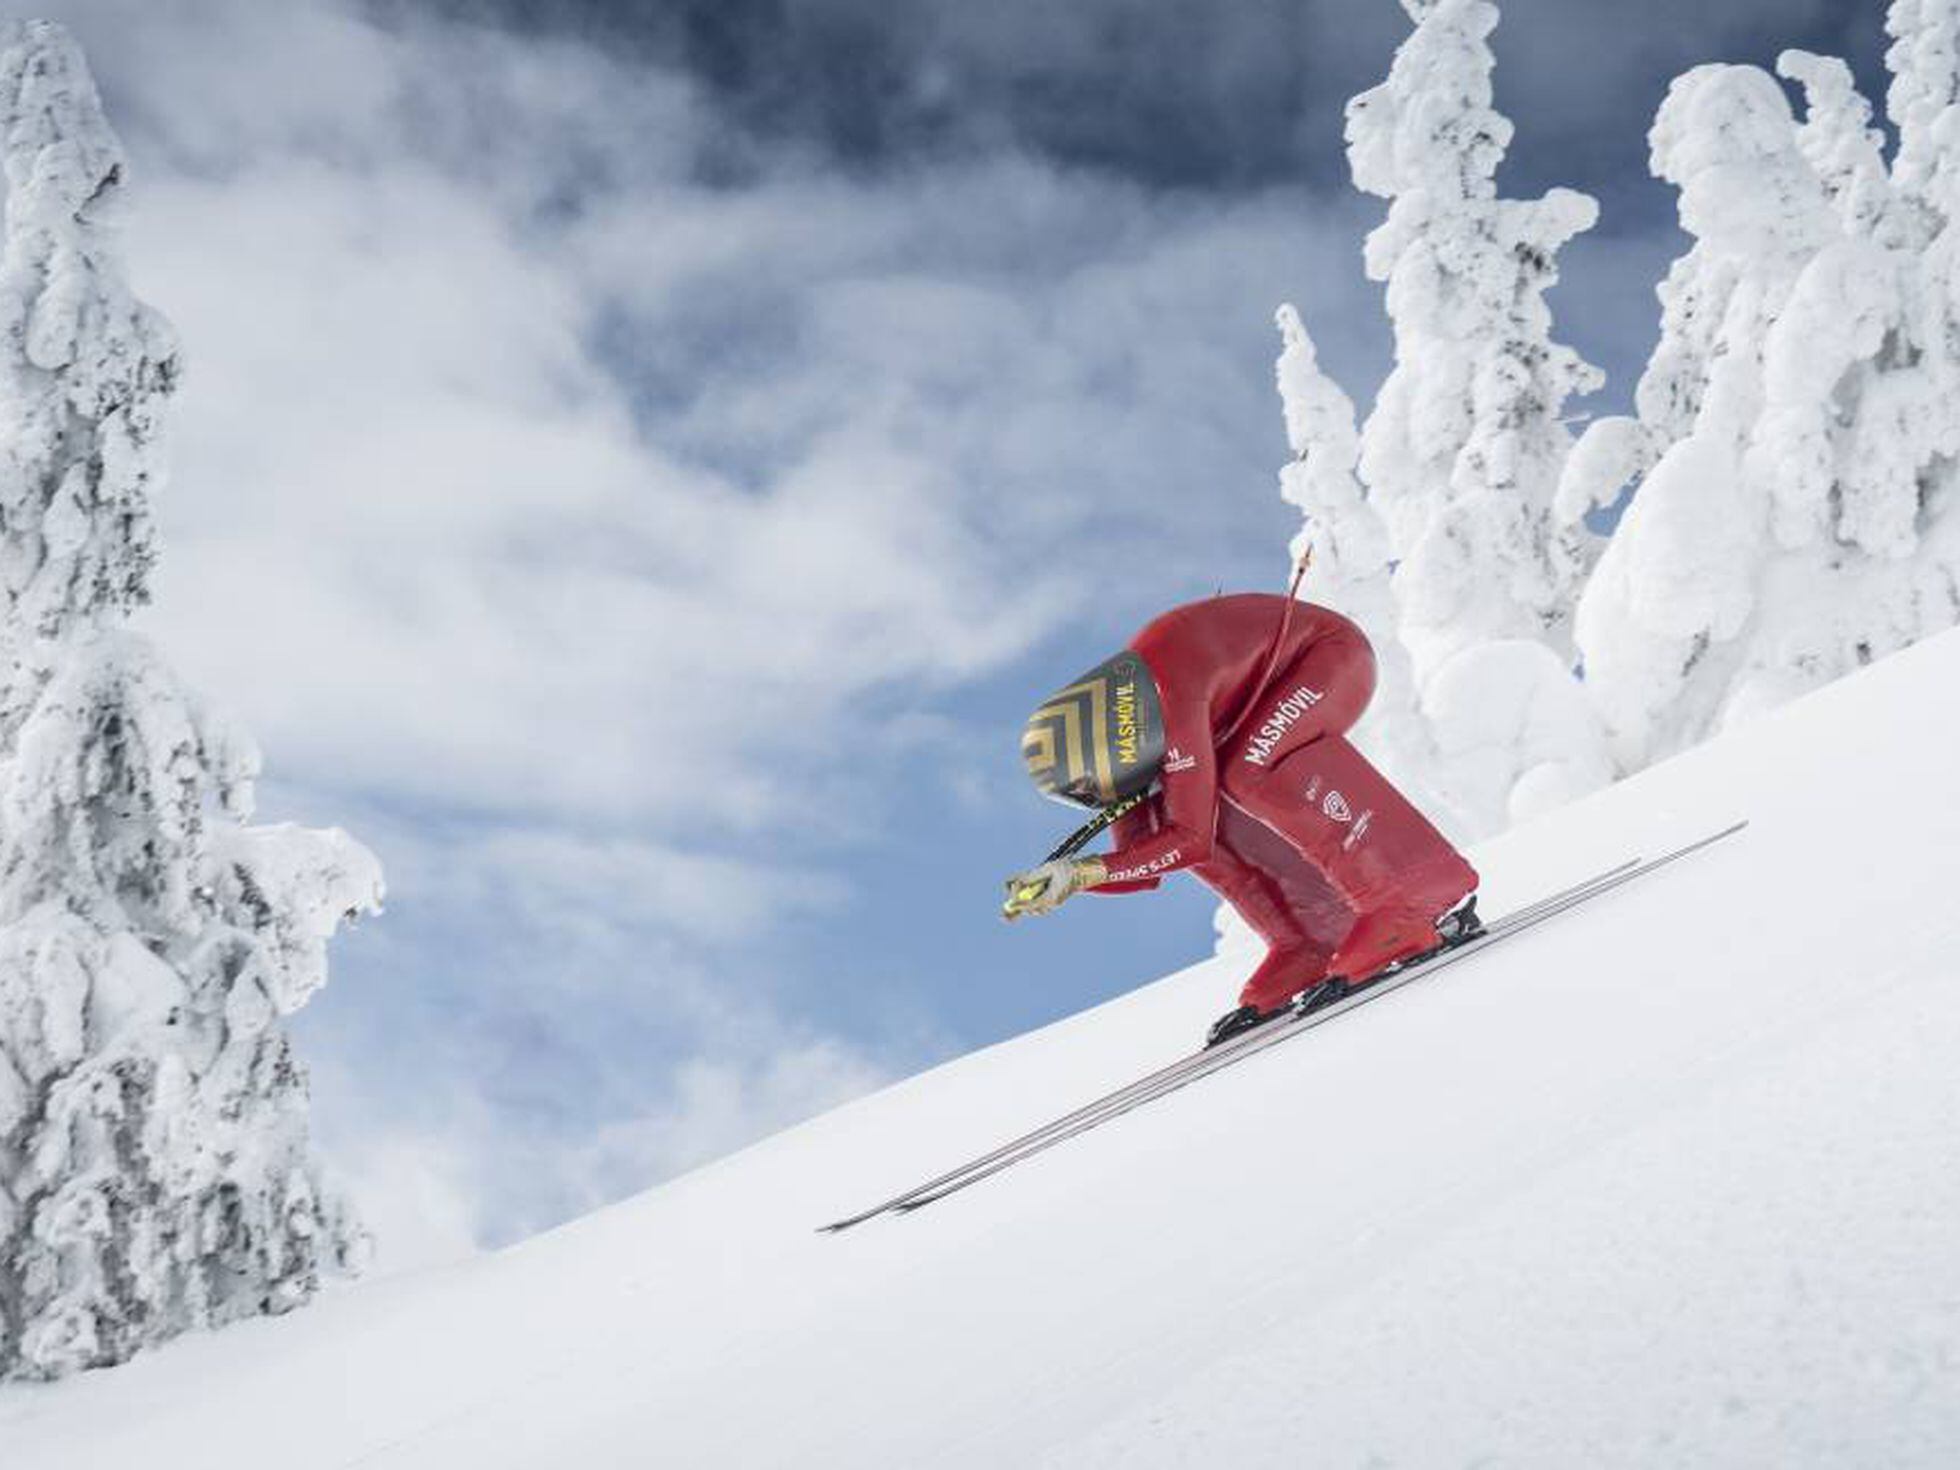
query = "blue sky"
x=639 y=464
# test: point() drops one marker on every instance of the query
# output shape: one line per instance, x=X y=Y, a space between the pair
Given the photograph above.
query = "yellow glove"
x=1046 y=888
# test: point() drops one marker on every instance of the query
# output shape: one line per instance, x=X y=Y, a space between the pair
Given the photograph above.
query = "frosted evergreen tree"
x=1462 y=453
x=1924 y=103
x=1799 y=424
x=1463 y=450
x=1672 y=589
x=1352 y=559
x=154 y=1172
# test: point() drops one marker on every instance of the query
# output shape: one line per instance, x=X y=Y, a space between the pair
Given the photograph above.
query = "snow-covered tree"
x=154 y=1172
x=1924 y=103
x=1352 y=559
x=1463 y=449
x=1799 y=424
x=1462 y=454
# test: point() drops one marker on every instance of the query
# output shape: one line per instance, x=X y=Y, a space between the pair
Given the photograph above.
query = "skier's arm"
x=1183 y=816
x=1133 y=827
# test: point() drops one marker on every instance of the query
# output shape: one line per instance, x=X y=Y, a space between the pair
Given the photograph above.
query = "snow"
x=1672 y=1180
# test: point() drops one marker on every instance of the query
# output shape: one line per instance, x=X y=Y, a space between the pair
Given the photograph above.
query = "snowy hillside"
x=1675 y=1180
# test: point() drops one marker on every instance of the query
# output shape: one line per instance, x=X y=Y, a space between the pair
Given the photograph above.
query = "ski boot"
x=1317 y=996
x=1397 y=936
x=1293 y=964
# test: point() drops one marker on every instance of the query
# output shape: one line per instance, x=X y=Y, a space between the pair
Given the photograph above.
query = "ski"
x=1190 y=1068
x=1273 y=1033
x=1153 y=1079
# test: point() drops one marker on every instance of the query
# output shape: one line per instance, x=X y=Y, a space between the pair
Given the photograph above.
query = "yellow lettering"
x=1126 y=724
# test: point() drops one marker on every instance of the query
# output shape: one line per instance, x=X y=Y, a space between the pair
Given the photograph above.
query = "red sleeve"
x=1184 y=814
x=1133 y=827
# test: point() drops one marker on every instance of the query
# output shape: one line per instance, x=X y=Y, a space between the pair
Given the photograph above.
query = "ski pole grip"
x=1021 y=895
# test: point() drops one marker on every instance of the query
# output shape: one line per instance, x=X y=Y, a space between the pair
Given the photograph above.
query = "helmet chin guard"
x=1099 y=740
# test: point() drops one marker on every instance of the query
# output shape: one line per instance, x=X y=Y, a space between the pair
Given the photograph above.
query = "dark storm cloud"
x=1227 y=95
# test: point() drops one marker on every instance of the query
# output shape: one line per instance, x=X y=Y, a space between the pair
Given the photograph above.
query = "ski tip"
x=1714 y=837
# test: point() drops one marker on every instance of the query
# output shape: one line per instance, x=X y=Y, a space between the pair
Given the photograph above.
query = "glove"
x=1046 y=888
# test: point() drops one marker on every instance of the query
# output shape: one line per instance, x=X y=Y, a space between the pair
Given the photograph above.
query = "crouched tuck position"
x=1221 y=728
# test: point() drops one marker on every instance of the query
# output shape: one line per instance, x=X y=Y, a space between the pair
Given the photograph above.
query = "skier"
x=1218 y=734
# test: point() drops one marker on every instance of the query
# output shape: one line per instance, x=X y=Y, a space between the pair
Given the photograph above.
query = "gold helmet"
x=1100 y=739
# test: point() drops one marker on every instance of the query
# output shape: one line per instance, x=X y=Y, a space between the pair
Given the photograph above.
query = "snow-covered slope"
x=1675 y=1180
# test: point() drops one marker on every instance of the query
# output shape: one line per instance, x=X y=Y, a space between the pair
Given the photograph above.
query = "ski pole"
x=1020 y=897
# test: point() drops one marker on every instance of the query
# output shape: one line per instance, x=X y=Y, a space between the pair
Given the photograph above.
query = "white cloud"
x=461 y=520
x=454 y=526
x=563 y=878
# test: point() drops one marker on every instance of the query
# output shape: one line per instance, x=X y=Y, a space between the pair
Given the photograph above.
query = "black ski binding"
x=1233 y=1022
x=1461 y=924
x=1320 y=996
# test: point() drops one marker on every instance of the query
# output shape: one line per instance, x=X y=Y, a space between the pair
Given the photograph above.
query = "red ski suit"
x=1289 y=823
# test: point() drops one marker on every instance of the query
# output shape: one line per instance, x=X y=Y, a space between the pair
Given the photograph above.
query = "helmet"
x=1100 y=739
